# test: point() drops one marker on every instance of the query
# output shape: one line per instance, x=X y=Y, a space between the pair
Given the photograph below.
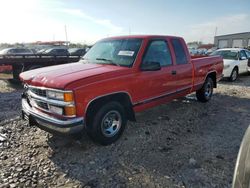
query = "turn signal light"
x=68 y=97
x=70 y=110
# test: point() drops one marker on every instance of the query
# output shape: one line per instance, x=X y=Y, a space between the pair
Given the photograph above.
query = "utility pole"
x=66 y=34
x=215 y=33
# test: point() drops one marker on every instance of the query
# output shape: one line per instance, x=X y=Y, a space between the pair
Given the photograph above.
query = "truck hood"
x=60 y=76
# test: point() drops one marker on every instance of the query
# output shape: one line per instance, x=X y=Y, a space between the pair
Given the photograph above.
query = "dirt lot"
x=181 y=144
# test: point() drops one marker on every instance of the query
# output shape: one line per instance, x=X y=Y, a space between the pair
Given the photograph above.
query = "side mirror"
x=151 y=66
x=243 y=58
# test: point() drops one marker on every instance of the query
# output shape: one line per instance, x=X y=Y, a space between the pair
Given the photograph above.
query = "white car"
x=235 y=61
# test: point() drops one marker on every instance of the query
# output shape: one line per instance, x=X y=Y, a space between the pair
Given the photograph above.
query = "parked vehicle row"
x=16 y=51
x=236 y=61
x=77 y=51
x=201 y=51
x=56 y=51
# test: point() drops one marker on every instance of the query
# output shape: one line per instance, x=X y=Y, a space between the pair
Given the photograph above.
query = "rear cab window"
x=179 y=51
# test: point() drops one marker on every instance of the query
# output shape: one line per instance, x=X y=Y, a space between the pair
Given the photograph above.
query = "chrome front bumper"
x=49 y=123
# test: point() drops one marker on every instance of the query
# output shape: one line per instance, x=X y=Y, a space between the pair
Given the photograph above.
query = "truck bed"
x=202 y=67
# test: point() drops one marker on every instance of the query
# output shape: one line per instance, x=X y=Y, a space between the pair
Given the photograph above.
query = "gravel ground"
x=182 y=144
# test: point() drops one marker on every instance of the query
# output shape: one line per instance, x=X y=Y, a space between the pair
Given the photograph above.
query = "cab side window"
x=180 y=55
x=248 y=54
x=243 y=54
x=158 y=51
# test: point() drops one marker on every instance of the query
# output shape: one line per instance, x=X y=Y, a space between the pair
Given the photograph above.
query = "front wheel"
x=234 y=75
x=205 y=93
x=107 y=123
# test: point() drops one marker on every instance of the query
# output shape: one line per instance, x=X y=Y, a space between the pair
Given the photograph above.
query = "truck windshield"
x=226 y=54
x=121 y=52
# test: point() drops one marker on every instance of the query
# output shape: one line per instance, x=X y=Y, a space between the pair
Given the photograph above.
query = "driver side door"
x=156 y=84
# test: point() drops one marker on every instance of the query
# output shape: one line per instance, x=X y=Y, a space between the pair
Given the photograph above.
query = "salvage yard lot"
x=181 y=144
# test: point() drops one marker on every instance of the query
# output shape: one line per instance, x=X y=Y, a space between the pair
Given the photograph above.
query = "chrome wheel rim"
x=111 y=123
x=208 y=90
x=234 y=75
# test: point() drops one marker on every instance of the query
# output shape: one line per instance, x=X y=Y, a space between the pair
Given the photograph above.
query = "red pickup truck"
x=116 y=78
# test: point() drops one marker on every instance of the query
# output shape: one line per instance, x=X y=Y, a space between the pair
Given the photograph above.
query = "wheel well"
x=122 y=98
x=212 y=75
x=237 y=68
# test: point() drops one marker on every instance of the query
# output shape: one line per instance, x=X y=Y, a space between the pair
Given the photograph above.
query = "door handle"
x=174 y=72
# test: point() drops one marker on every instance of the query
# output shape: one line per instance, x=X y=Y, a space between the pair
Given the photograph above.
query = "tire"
x=205 y=93
x=242 y=168
x=234 y=75
x=107 y=123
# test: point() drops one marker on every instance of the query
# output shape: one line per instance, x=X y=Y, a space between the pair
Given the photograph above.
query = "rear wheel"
x=234 y=75
x=107 y=123
x=205 y=93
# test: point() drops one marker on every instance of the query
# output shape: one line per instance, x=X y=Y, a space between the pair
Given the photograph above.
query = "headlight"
x=60 y=95
x=66 y=110
x=55 y=95
x=56 y=109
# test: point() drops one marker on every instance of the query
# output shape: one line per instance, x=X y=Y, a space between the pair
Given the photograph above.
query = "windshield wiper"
x=108 y=60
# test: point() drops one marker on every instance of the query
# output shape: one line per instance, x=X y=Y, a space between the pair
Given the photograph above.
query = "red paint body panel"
x=5 y=68
x=145 y=88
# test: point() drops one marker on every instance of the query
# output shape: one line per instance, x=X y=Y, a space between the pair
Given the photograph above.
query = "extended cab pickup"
x=117 y=77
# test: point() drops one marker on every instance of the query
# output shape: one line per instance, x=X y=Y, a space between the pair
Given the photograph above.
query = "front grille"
x=37 y=103
x=37 y=98
x=42 y=105
x=39 y=92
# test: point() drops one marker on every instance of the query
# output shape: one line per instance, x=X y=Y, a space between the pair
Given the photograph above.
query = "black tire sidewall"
x=231 y=76
x=95 y=126
x=200 y=94
x=209 y=80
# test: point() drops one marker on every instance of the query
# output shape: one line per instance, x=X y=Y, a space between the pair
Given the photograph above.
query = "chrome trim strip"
x=160 y=96
x=51 y=89
x=46 y=117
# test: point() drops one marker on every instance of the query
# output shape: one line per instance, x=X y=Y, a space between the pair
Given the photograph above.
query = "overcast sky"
x=90 y=20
